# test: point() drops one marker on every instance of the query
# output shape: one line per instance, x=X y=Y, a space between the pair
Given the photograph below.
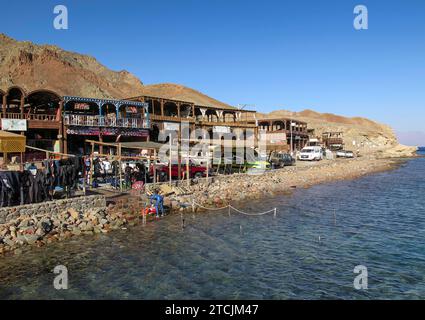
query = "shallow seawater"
x=308 y=251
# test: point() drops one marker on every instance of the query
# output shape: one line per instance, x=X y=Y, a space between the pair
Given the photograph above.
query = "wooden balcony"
x=101 y=121
x=157 y=117
x=287 y=132
x=336 y=141
x=36 y=121
x=240 y=124
x=204 y=122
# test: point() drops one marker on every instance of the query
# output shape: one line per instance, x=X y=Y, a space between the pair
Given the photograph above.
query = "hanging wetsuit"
x=10 y=188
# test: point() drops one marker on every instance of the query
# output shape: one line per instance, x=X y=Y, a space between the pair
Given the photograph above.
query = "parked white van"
x=311 y=153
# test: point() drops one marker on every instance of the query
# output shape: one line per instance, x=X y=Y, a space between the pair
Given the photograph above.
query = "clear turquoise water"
x=308 y=251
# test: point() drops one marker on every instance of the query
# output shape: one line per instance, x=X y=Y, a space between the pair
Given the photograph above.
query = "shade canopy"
x=12 y=142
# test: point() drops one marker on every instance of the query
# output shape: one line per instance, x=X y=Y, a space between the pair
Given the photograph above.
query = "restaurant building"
x=103 y=120
x=36 y=114
x=62 y=123
x=284 y=132
x=168 y=114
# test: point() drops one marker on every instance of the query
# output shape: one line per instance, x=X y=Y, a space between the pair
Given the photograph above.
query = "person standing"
x=128 y=171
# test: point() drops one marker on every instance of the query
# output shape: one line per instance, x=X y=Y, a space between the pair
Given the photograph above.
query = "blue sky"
x=271 y=54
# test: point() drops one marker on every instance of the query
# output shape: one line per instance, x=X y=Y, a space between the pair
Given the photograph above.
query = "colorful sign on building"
x=14 y=124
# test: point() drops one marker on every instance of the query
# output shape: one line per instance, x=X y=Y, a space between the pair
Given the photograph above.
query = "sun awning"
x=12 y=142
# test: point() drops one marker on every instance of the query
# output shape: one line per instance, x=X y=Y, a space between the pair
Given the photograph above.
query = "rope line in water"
x=253 y=214
x=237 y=210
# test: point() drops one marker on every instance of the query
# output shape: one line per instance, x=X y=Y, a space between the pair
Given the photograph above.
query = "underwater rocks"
x=39 y=224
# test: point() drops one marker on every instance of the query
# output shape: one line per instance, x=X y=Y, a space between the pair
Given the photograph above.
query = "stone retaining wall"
x=51 y=207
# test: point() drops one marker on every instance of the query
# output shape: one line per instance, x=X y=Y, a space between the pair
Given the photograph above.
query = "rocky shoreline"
x=41 y=224
x=232 y=189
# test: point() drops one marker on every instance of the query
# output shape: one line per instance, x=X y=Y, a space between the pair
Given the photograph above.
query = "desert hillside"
x=34 y=66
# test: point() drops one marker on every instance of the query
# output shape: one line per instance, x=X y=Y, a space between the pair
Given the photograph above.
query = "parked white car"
x=311 y=153
x=344 y=154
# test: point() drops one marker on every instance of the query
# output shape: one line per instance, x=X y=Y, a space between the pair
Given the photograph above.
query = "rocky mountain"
x=34 y=66
x=49 y=67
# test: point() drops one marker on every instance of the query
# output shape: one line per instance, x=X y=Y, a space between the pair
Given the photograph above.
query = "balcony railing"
x=215 y=121
x=157 y=117
x=37 y=117
x=334 y=140
x=101 y=121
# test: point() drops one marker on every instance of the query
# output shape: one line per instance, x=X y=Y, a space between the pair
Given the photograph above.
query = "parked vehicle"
x=240 y=165
x=258 y=164
x=280 y=160
x=195 y=171
x=344 y=154
x=261 y=164
x=311 y=153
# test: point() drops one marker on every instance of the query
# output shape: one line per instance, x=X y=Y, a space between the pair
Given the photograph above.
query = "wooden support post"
x=4 y=105
x=120 y=164
x=21 y=163
x=91 y=165
x=179 y=159
x=187 y=170
x=22 y=106
x=169 y=163
x=208 y=165
x=144 y=214
x=84 y=177
x=60 y=133
x=154 y=167
x=100 y=145
x=65 y=140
